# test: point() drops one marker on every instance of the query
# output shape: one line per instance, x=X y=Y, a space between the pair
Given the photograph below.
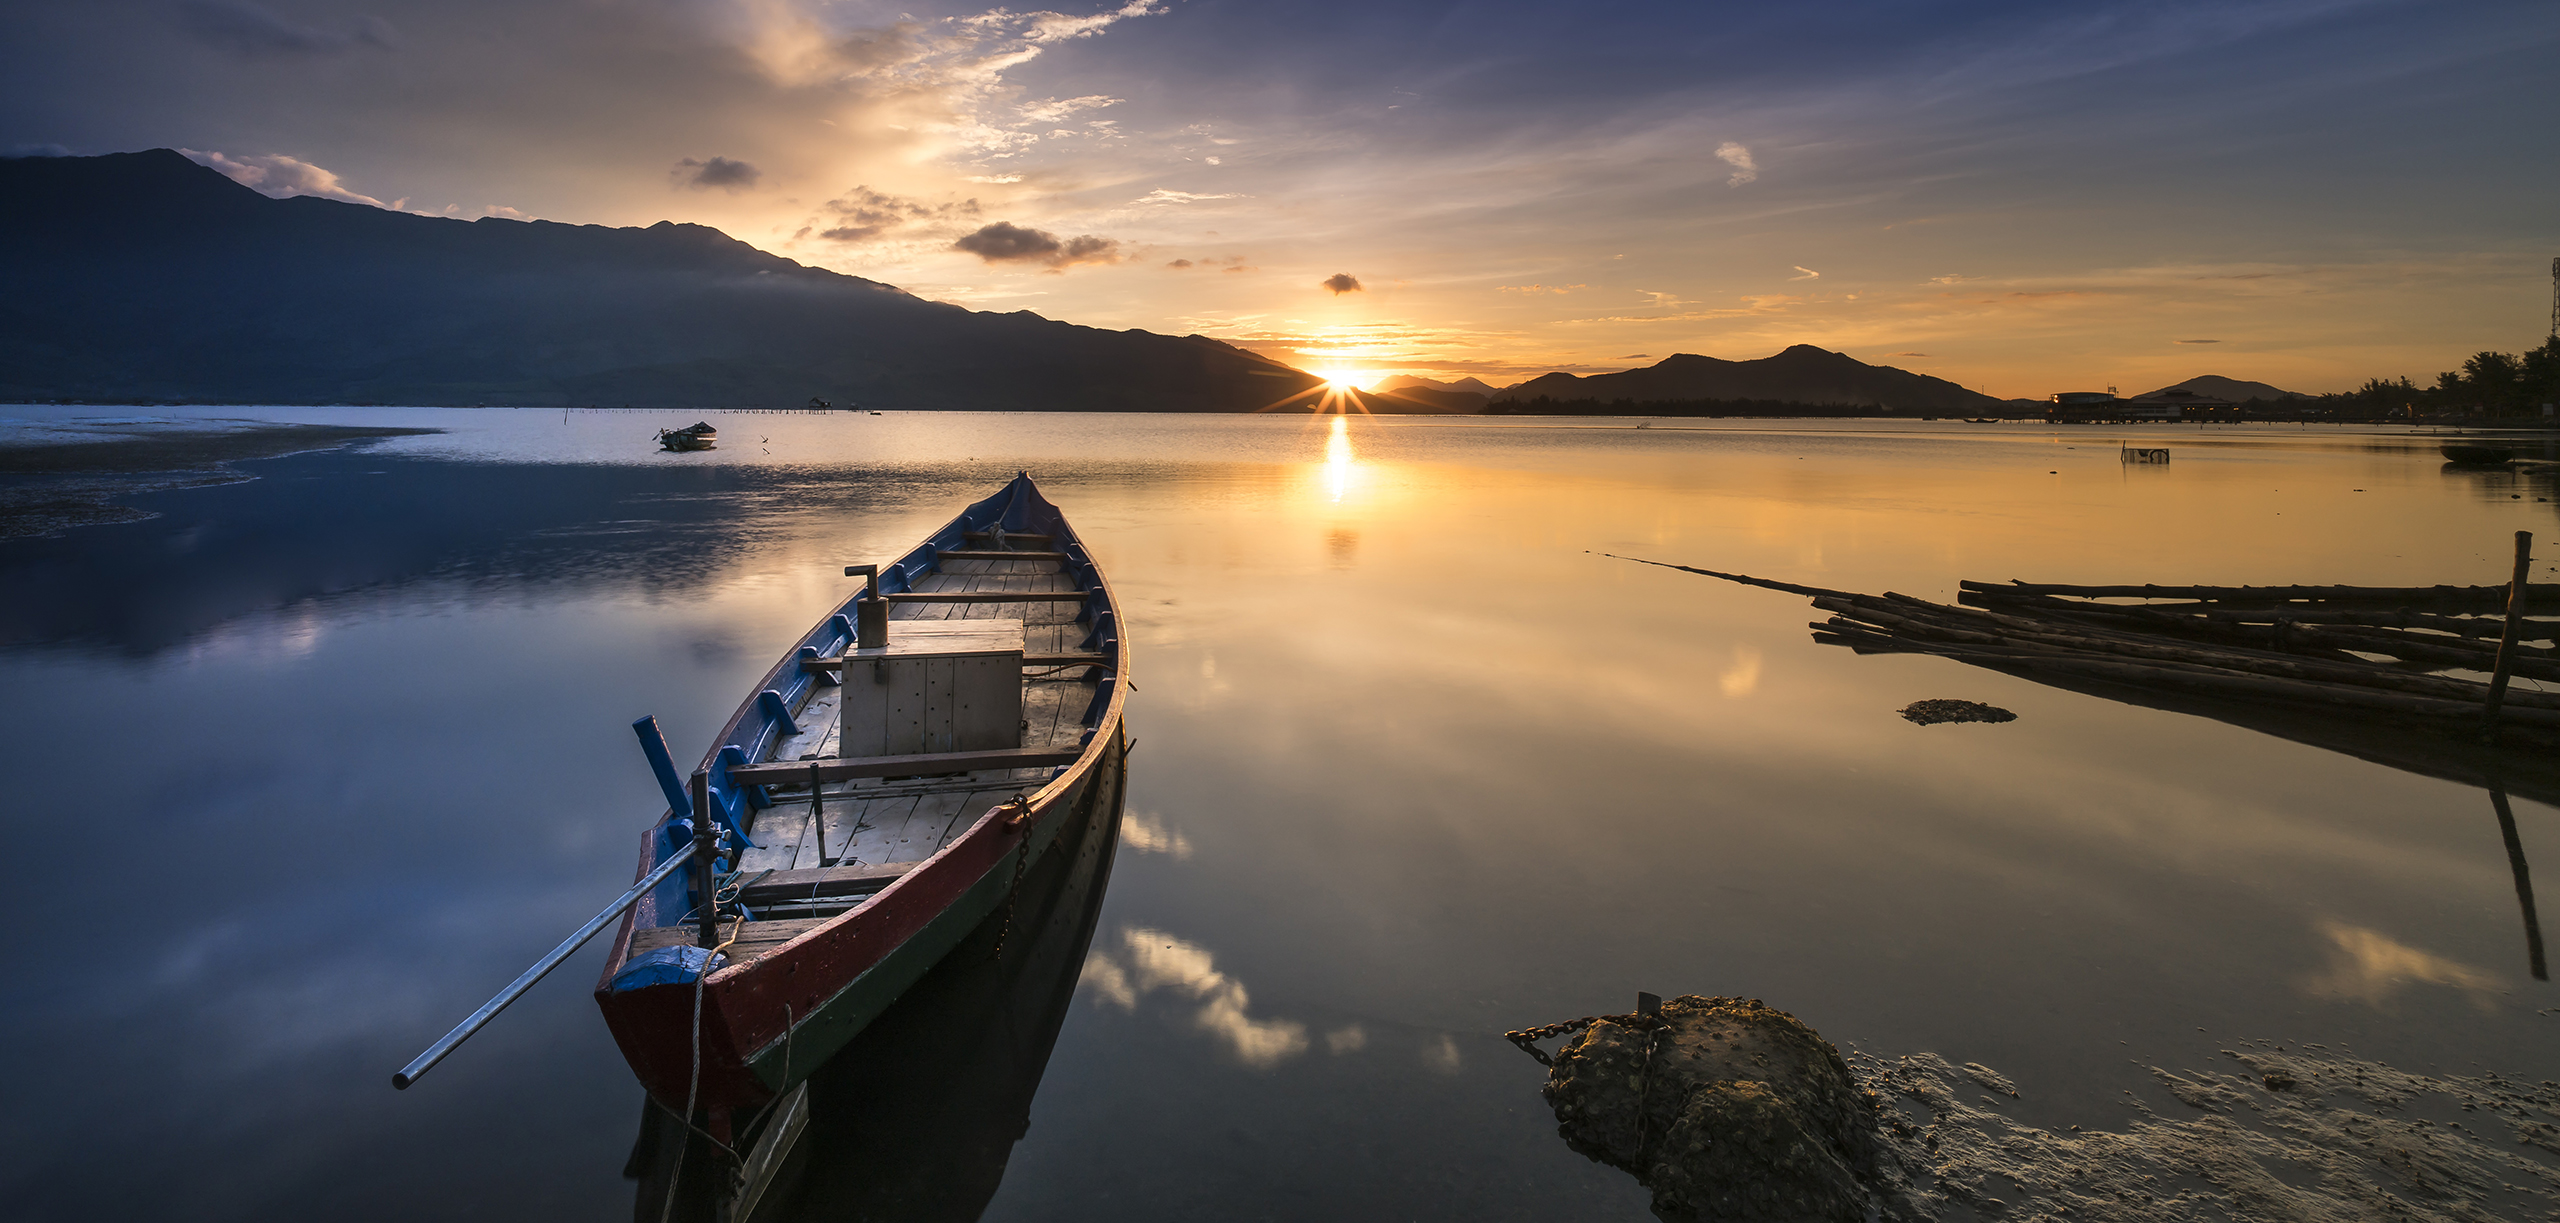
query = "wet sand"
x=55 y=479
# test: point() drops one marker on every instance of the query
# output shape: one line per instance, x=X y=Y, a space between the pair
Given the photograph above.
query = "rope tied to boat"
x=693 y=1088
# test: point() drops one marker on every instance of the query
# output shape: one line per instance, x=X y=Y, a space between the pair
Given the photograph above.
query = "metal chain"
x=1021 y=862
x=1528 y=1038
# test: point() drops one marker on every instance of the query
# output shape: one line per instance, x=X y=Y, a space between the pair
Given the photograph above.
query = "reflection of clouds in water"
x=1743 y=677
x=1150 y=960
x=284 y=636
x=2369 y=966
x=1350 y=1039
x=1441 y=1054
x=1148 y=835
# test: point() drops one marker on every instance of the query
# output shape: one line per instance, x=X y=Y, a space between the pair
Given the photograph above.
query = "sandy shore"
x=52 y=479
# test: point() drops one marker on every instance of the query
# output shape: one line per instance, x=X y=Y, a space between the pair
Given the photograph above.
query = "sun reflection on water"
x=1337 y=457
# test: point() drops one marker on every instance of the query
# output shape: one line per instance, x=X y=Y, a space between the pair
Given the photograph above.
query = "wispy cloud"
x=1163 y=195
x=252 y=31
x=1148 y=961
x=1744 y=170
x=1806 y=274
x=280 y=176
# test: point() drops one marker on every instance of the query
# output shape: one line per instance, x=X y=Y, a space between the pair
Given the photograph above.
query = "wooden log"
x=2489 y=595
x=2458 y=652
x=2507 y=642
x=986 y=596
x=2210 y=680
x=2044 y=645
x=795 y=772
x=1745 y=579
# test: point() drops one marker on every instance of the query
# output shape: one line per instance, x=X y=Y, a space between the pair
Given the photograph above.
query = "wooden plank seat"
x=985 y=596
x=846 y=768
x=1069 y=659
x=857 y=879
x=998 y=554
x=1008 y=535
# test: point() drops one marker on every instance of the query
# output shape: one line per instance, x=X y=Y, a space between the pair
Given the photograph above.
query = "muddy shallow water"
x=1414 y=767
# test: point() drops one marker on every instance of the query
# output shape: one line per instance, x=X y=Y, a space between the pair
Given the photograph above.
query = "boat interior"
x=999 y=659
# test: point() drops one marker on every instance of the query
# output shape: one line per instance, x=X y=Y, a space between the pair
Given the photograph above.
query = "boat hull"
x=753 y=1029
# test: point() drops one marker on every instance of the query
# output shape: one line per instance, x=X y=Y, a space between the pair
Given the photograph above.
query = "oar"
x=489 y=1010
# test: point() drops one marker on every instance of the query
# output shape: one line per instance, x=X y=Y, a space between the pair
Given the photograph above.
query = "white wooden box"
x=938 y=686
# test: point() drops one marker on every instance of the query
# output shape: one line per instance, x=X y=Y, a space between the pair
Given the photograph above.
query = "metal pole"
x=489 y=1010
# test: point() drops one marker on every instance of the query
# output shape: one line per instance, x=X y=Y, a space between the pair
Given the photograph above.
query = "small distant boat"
x=697 y=436
x=2483 y=453
x=1981 y=420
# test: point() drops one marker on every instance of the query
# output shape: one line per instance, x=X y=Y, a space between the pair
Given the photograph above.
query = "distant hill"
x=1464 y=386
x=1802 y=374
x=144 y=276
x=1422 y=400
x=2232 y=389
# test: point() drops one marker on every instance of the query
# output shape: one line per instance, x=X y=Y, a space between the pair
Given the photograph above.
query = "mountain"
x=1463 y=386
x=2232 y=389
x=144 y=276
x=1423 y=399
x=1802 y=374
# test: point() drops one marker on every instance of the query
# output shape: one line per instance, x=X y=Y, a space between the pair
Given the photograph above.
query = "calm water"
x=312 y=764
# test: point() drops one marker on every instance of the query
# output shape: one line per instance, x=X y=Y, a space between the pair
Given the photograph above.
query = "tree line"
x=2502 y=383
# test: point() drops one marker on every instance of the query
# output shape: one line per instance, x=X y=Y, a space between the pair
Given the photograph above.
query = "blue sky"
x=2023 y=197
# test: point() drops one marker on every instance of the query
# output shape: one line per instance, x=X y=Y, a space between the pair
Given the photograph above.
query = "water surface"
x=329 y=754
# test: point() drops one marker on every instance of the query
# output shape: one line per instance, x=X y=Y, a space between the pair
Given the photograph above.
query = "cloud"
x=1743 y=677
x=2199 y=341
x=1341 y=283
x=1556 y=289
x=1006 y=242
x=1911 y=354
x=720 y=172
x=1739 y=158
x=1150 y=960
x=2369 y=966
x=279 y=176
x=862 y=214
x=1163 y=196
x=246 y=29
x=33 y=150
x=1179 y=263
x=1634 y=356
x=1809 y=273
x=1951 y=280
x=1149 y=835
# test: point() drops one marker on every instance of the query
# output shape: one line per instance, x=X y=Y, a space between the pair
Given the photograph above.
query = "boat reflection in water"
x=916 y=1118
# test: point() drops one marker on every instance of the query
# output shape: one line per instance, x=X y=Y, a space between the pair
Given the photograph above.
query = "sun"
x=1347 y=379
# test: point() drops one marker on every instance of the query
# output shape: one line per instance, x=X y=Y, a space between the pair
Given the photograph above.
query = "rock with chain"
x=1727 y=1109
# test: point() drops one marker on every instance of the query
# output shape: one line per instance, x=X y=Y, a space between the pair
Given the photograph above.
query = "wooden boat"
x=894 y=794
x=697 y=436
x=2481 y=453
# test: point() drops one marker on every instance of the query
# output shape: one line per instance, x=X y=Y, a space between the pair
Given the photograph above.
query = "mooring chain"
x=1016 y=809
x=1528 y=1038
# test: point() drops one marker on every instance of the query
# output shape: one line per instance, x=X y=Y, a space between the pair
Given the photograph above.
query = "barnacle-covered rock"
x=1727 y=1109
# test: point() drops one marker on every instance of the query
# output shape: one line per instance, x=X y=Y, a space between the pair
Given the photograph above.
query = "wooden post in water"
x=706 y=858
x=2507 y=641
x=2524 y=884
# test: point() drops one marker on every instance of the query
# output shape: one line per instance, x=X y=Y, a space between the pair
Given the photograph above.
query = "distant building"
x=2175 y=405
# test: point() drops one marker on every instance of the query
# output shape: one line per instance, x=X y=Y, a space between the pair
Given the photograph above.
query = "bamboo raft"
x=2405 y=654
x=2412 y=678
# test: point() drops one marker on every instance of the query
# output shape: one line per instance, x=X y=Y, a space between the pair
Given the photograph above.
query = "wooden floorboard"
x=754 y=938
